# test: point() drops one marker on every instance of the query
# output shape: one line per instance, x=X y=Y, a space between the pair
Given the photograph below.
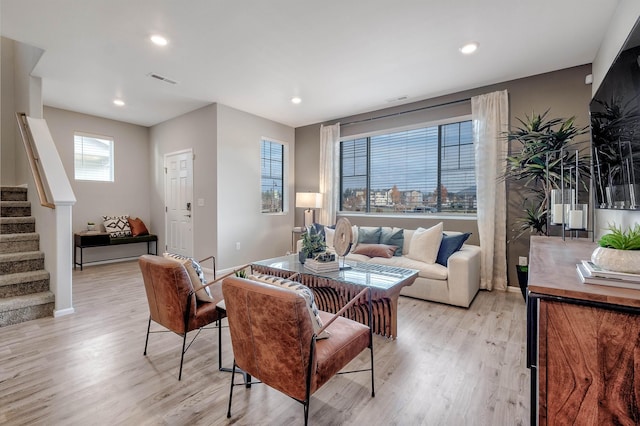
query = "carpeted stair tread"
x=16 y=257
x=26 y=236
x=25 y=219
x=27 y=300
x=23 y=277
x=19 y=242
x=13 y=193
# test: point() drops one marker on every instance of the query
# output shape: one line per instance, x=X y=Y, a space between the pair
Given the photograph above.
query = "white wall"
x=239 y=195
x=195 y=130
x=128 y=194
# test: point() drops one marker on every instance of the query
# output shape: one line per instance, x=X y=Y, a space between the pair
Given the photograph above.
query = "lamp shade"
x=309 y=200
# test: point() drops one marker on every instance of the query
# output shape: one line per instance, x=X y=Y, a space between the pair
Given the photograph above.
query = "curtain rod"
x=406 y=112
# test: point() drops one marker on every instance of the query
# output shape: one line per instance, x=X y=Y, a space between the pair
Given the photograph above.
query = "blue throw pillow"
x=369 y=234
x=449 y=245
x=393 y=237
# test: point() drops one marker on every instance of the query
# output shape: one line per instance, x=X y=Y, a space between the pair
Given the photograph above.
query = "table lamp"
x=309 y=201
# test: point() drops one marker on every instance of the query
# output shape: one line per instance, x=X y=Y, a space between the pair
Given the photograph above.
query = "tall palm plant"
x=548 y=147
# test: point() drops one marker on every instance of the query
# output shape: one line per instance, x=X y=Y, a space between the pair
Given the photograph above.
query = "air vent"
x=161 y=78
x=398 y=99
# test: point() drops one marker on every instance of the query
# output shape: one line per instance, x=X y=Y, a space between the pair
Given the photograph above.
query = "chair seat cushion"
x=348 y=339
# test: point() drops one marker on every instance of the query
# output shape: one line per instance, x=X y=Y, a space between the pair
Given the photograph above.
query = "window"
x=425 y=170
x=93 y=157
x=272 y=176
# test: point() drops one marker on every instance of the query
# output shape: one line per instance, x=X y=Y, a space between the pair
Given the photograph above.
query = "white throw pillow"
x=117 y=226
x=196 y=275
x=425 y=244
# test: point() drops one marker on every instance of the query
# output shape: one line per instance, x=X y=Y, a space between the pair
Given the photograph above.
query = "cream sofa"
x=456 y=284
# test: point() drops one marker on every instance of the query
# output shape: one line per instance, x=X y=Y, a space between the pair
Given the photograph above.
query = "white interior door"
x=179 y=202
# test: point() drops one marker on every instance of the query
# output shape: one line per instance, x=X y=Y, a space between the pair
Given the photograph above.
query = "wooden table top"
x=552 y=271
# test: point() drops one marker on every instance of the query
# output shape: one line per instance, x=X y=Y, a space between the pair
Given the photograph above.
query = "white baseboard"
x=63 y=312
x=513 y=289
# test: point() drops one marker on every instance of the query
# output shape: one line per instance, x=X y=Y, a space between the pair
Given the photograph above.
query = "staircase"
x=24 y=284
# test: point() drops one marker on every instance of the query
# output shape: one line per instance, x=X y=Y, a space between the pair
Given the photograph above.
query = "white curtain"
x=329 y=179
x=490 y=114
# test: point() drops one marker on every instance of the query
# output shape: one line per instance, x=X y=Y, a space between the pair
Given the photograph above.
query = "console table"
x=84 y=240
x=583 y=341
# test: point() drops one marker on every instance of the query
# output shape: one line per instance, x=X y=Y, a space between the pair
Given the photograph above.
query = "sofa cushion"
x=425 y=270
x=302 y=290
x=376 y=250
x=393 y=237
x=194 y=270
x=358 y=257
x=117 y=226
x=369 y=234
x=425 y=244
x=449 y=245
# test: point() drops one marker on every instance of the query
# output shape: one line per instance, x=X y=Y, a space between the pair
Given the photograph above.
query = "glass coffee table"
x=333 y=290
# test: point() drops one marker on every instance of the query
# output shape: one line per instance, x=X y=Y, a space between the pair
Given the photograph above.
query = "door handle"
x=187 y=215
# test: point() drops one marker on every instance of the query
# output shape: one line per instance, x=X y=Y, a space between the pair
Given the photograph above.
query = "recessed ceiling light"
x=296 y=100
x=118 y=102
x=469 y=48
x=159 y=40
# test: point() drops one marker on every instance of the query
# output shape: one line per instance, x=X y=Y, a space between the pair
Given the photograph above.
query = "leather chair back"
x=168 y=286
x=271 y=333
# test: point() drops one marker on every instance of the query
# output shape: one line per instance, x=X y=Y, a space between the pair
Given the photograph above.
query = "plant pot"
x=523 y=279
x=617 y=260
x=302 y=257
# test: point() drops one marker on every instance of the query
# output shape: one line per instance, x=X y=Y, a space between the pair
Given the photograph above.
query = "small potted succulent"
x=619 y=250
x=312 y=243
x=91 y=226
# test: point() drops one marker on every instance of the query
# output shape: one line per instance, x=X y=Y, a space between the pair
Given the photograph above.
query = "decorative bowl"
x=617 y=260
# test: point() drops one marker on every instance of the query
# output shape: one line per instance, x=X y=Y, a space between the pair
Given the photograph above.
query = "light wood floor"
x=449 y=366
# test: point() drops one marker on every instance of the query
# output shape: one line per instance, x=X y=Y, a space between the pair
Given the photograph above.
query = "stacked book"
x=590 y=273
x=317 y=266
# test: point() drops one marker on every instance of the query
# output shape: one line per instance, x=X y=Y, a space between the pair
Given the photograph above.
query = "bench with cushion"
x=84 y=240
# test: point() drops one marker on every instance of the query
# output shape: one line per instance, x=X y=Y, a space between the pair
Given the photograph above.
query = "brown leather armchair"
x=173 y=304
x=273 y=339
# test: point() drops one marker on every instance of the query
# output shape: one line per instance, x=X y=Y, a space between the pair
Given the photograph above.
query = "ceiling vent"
x=161 y=78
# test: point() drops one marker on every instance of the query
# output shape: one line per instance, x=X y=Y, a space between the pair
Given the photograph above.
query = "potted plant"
x=619 y=250
x=547 y=146
x=91 y=226
x=312 y=243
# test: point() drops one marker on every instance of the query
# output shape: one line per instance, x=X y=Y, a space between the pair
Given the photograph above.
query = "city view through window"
x=426 y=170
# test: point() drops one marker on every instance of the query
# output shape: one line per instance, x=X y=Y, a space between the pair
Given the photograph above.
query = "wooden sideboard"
x=583 y=341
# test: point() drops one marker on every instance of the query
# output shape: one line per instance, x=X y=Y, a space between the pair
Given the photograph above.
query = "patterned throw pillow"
x=194 y=270
x=117 y=226
x=302 y=290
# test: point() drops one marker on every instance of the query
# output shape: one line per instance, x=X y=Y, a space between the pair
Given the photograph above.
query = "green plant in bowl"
x=620 y=239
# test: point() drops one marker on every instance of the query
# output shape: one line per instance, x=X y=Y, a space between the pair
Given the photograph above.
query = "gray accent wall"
x=564 y=92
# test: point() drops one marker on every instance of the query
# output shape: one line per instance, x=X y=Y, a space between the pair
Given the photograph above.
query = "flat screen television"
x=615 y=130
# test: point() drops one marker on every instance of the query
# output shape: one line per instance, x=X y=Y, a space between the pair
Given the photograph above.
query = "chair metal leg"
x=306 y=412
x=219 y=344
x=233 y=375
x=146 y=342
x=373 y=389
x=184 y=342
